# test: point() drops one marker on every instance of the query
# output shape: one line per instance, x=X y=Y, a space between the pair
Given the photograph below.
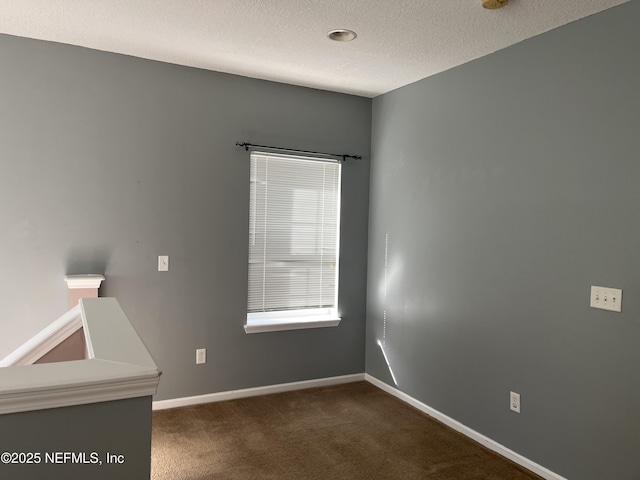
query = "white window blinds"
x=293 y=233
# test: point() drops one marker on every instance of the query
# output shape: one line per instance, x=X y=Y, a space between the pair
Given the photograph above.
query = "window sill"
x=296 y=323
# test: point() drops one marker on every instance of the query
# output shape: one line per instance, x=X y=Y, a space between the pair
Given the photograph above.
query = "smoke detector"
x=493 y=4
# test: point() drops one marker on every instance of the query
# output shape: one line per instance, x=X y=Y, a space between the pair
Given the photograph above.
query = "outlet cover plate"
x=201 y=356
x=514 y=401
x=606 y=298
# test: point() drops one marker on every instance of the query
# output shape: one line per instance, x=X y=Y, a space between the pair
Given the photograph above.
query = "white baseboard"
x=478 y=437
x=254 y=392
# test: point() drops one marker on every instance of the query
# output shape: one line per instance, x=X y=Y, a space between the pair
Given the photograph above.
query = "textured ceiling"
x=398 y=42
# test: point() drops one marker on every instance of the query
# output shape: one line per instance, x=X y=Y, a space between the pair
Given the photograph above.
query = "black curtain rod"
x=344 y=156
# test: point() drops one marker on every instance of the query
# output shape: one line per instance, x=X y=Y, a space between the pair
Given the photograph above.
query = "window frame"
x=270 y=321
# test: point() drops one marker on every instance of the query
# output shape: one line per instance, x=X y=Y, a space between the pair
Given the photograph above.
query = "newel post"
x=82 y=286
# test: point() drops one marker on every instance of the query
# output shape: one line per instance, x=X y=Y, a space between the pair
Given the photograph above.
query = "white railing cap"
x=119 y=366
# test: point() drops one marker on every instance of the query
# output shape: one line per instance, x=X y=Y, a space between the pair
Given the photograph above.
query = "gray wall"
x=121 y=427
x=507 y=187
x=107 y=161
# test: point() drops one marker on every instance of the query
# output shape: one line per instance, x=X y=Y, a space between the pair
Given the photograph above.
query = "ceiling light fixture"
x=342 y=35
x=493 y=4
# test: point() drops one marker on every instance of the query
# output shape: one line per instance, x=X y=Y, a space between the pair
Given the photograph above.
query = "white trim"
x=262 y=326
x=45 y=340
x=478 y=437
x=119 y=366
x=293 y=315
x=254 y=392
x=100 y=384
x=84 y=281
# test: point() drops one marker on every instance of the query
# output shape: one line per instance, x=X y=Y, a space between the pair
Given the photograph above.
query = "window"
x=294 y=223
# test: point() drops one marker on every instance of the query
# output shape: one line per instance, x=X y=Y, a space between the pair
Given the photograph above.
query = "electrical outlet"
x=201 y=356
x=606 y=298
x=514 y=401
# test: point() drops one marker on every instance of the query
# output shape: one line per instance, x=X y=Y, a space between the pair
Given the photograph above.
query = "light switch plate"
x=163 y=263
x=606 y=298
